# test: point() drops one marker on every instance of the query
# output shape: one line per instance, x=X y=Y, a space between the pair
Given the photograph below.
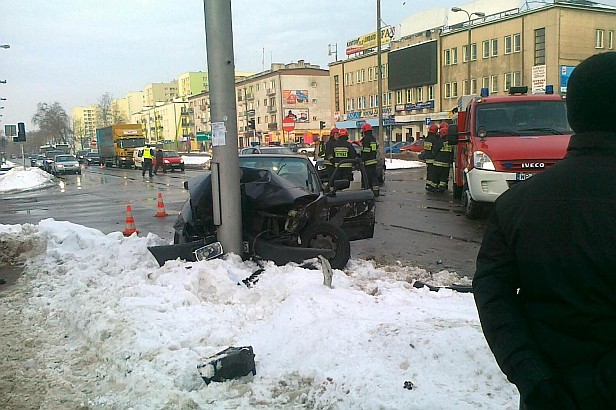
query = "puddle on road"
x=31 y=211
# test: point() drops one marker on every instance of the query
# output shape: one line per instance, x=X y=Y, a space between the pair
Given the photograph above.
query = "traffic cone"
x=130 y=222
x=160 y=207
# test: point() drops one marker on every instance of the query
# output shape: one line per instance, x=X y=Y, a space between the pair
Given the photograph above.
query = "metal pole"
x=381 y=139
x=221 y=71
x=468 y=56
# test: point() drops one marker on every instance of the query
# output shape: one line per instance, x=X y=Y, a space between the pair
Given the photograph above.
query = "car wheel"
x=472 y=209
x=327 y=236
x=182 y=168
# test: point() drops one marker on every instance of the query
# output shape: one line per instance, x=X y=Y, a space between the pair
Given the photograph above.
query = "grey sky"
x=74 y=51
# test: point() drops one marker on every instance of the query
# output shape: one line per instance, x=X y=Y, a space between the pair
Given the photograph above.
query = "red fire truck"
x=502 y=140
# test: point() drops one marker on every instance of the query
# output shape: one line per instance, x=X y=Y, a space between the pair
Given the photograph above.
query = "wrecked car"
x=287 y=215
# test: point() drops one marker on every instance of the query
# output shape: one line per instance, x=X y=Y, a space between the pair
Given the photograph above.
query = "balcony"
x=250 y=113
x=272 y=126
x=271 y=91
x=250 y=97
x=271 y=109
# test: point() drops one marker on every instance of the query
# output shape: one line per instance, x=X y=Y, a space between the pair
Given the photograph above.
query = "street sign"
x=10 y=130
x=428 y=120
x=288 y=124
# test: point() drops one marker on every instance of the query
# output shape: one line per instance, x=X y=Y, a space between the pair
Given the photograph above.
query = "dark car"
x=92 y=158
x=380 y=165
x=81 y=154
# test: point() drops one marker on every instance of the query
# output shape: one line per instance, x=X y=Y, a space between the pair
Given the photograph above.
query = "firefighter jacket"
x=443 y=152
x=545 y=284
x=429 y=141
x=343 y=150
x=328 y=158
x=368 y=149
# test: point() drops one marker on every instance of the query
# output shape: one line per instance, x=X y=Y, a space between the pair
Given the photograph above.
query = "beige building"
x=156 y=92
x=84 y=126
x=166 y=124
x=426 y=72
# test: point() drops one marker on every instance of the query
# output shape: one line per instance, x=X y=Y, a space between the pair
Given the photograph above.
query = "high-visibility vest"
x=147 y=153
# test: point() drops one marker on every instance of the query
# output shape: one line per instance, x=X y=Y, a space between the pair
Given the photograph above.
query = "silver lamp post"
x=468 y=46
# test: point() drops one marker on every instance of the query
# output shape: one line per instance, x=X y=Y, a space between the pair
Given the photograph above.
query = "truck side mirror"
x=452 y=134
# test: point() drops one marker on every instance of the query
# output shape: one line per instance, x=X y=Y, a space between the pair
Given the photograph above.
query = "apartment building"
x=84 y=126
x=426 y=71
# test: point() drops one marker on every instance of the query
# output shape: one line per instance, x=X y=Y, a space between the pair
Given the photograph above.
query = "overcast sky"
x=74 y=51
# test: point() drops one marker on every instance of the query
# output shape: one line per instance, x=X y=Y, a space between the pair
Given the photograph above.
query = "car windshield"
x=524 y=118
x=294 y=169
x=170 y=154
x=52 y=154
x=65 y=158
x=276 y=150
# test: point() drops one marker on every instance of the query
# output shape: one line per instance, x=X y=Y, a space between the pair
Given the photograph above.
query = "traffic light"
x=322 y=124
x=251 y=124
x=21 y=132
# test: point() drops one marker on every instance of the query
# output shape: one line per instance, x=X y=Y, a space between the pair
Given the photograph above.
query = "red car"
x=415 y=146
x=171 y=161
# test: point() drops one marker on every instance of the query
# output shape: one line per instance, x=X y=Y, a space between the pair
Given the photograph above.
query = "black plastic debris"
x=408 y=385
x=231 y=363
x=458 y=288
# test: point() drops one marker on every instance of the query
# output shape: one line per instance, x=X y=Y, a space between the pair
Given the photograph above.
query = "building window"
x=493 y=84
x=508 y=84
x=454 y=55
x=454 y=90
x=473 y=86
x=371 y=101
x=420 y=94
x=539 y=46
x=494 y=47
x=474 y=52
x=430 y=92
x=517 y=79
x=610 y=40
x=409 y=95
x=447 y=90
x=363 y=75
x=485 y=48
x=357 y=78
x=465 y=54
x=517 y=43
x=370 y=74
x=399 y=97
x=485 y=82
x=273 y=85
x=599 y=39
x=508 y=44
x=447 y=57
x=465 y=90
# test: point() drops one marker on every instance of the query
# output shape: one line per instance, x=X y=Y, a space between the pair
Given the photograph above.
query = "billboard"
x=413 y=66
x=565 y=73
x=369 y=41
x=298 y=114
x=292 y=97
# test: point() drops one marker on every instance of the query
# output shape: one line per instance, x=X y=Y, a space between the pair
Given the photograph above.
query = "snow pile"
x=131 y=333
x=18 y=179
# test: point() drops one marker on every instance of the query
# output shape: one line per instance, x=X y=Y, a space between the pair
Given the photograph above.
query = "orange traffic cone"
x=160 y=207
x=130 y=222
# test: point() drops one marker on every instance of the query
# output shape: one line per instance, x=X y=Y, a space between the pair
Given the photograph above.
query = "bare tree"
x=53 y=123
x=104 y=111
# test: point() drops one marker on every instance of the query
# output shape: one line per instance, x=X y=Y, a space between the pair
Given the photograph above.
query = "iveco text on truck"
x=116 y=144
x=503 y=140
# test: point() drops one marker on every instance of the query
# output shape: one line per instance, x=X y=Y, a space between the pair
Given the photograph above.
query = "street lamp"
x=468 y=46
x=379 y=98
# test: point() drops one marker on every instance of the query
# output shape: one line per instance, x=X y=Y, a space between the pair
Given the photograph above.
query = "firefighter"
x=428 y=156
x=443 y=157
x=343 y=150
x=368 y=156
x=328 y=152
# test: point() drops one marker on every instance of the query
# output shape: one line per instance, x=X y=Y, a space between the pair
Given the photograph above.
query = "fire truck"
x=501 y=140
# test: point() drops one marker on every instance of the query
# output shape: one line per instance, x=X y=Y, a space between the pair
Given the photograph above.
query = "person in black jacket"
x=159 y=161
x=443 y=157
x=545 y=284
x=369 y=148
x=427 y=155
x=343 y=150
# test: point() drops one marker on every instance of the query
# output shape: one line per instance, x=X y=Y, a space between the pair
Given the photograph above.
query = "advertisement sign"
x=369 y=41
x=298 y=114
x=565 y=73
x=538 y=78
x=292 y=97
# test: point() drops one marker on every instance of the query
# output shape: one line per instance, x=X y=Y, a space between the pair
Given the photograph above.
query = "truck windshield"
x=524 y=118
x=131 y=142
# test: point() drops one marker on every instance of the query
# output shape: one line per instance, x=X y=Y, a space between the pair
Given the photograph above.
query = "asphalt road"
x=413 y=227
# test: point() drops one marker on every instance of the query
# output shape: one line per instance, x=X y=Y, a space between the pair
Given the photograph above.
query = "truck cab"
x=503 y=140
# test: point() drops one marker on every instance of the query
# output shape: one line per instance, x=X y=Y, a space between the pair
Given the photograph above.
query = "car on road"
x=396 y=147
x=266 y=150
x=306 y=149
x=65 y=164
x=92 y=158
x=171 y=161
x=81 y=155
x=49 y=157
x=415 y=146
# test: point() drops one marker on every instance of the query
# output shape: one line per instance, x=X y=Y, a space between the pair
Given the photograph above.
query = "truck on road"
x=116 y=144
x=502 y=140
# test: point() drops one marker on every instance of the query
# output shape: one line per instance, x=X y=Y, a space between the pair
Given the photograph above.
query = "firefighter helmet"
x=433 y=128
x=334 y=131
x=366 y=127
x=344 y=132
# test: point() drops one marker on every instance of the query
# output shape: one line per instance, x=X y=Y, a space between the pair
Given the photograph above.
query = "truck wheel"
x=327 y=236
x=472 y=208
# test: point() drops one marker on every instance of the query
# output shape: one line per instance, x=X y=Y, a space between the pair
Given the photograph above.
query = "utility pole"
x=381 y=136
x=225 y=162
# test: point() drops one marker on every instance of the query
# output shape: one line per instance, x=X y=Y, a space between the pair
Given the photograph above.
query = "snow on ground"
x=106 y=327
x=18 y=179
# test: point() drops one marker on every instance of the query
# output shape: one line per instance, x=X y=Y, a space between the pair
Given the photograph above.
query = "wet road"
x=413 y=227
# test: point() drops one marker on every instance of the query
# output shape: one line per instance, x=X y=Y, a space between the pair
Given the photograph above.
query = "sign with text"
x=292 y=97
x=369 y=41
x=539 y=78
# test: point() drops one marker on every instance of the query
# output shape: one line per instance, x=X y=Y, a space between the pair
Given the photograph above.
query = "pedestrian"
x=147 y=161
x=159 y=161
x=328 y=159
x=545 y=283
x=369 y=149
x=344 y=151
x=443 y=158
x=428 y=156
